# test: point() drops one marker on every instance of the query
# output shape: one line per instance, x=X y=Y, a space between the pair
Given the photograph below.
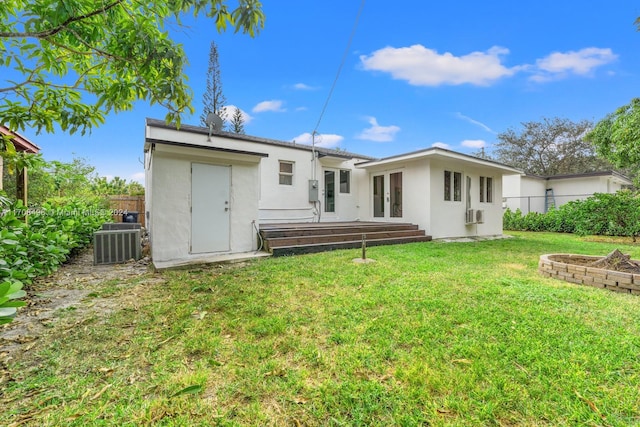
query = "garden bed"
x=580 y=269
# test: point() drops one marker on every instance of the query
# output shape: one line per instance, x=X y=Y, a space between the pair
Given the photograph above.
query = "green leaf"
x=14 y=304
x=7 y=312
x=18 y=294
x=4 y=288
x=192 y=389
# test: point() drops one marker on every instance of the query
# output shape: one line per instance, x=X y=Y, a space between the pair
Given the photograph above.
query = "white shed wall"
x=170 y=190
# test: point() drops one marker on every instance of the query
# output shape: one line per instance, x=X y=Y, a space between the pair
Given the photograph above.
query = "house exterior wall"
x=527 y=193
x=257 y=194
x=169 y=188
x=423 y=197
x=524 y=192
x=290 y=203
x=448 y=217
x=286 y=203
x=568 y=189
x=415 y=200
x=277 y=202
x=348 y=206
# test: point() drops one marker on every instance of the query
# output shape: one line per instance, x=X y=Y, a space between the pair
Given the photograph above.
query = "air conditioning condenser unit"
x=116 y=246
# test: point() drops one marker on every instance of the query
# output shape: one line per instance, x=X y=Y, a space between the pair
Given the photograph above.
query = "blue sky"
x=417 y=74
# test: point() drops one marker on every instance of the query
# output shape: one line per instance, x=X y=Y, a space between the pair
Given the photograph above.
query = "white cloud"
x=441 y=145
x=303 y=86
x=322 y=140
x=273 y=105
x=475 y=122
x=421 y=66
x=230 y=110
x=139 y=177
x=473 y=143
x=562 y=64
x=378 y=133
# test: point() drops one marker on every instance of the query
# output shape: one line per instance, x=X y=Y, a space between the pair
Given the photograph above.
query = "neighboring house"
x=209 y=193
x=532 y=193
x=21 y=144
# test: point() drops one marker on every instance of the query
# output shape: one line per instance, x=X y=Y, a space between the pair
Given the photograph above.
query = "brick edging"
x=589 y=276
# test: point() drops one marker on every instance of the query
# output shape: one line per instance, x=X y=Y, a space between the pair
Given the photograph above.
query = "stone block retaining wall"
x=582 y=275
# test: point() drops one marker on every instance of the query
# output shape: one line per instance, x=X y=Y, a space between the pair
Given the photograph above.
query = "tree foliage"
x=617 y=136
x=72 y=62
x=102 y=186
x=64 y=179
x=213 y=98
x=237 y=122
x=552 y=146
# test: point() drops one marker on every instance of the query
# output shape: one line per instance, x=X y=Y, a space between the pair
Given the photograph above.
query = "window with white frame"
x=286 y=173
x=345 y=181
x=486 y=189
x=452 y=186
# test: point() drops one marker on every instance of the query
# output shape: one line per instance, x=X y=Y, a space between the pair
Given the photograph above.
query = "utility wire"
x=344 y=58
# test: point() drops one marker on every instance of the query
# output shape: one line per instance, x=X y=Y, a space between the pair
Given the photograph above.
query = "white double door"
x=387 y=195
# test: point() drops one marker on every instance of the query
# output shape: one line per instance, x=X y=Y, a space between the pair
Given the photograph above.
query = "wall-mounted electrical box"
x=313 y=190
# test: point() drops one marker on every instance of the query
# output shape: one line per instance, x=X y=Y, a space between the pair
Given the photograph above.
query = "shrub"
x=610 y=215
x=601 y=214
x=37 y=246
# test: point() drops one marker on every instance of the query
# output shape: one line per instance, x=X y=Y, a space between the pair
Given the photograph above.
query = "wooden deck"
x=300 y=238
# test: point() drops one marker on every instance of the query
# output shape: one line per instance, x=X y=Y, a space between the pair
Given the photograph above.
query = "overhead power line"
x=344 y=59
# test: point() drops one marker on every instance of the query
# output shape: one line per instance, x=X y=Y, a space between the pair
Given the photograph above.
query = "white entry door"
x=329 y=193
x=210 y=191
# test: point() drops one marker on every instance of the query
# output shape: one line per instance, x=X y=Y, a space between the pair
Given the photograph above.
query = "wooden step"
x=366 y=228
x=336 y=238
x=323 y=247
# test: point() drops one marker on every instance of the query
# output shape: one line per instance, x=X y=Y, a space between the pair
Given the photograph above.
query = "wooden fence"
x=127 y=204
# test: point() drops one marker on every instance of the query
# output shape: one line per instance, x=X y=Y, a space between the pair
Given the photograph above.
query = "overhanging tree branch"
x=52 y=31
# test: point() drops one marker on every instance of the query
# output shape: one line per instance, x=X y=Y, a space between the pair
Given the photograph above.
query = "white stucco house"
x=533 y=193
x=209 y=193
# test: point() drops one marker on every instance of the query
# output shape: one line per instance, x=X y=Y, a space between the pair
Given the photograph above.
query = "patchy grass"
x=444 y=334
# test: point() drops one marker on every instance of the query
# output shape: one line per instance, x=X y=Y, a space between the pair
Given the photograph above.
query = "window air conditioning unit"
x=116 y=246
x=480 y=216
x=470 y=217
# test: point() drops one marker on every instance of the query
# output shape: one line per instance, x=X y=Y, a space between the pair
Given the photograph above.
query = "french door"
x=387 y=195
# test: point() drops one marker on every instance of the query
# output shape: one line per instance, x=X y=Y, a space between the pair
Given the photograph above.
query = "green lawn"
x=440 y=334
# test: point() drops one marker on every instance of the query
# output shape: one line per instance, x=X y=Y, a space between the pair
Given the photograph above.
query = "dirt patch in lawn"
x=77 y=290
